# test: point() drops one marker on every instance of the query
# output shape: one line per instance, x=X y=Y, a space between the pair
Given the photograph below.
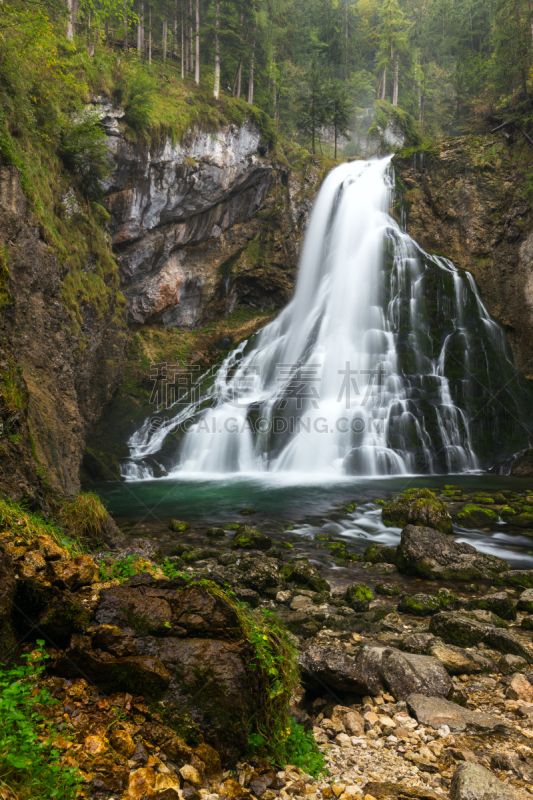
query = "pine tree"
x=339 y=110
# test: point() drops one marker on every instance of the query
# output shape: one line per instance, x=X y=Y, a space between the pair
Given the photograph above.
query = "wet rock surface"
x=396 y=700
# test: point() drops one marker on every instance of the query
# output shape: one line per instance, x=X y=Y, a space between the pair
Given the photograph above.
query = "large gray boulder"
x=474 y=782
x=430 y=554
x=437 y=711
x=460 y=630
x=457 y=660
x=373 y=670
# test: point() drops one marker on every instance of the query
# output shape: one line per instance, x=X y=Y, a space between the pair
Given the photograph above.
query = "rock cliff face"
x=183 y=216
x=62 y=385
x=465 y=198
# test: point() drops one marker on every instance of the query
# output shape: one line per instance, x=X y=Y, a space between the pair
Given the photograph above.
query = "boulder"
x=419 y=605
x=387 y=589
x=457 y=660
x=505 y=642
x=300 y=571
x=457 y=629
x=525 y=601
x=499 y=603
x=126 y=607
x=78 y=571
x=380 y=554
x=329 y=666
x=248 y=538
x=406 y=673
x=474 y=782
x=260 y=573
x=436 y=712
x=418 y=507
x=358 y=597
x=373 y=670
x=201 y=614
x=430 y=554
x=520 y=689
x=473 y=516
x=519 y=578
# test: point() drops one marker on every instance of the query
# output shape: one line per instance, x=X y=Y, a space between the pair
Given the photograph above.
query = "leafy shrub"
x=27 y=526
x=29 y=761
x=11 y=389
x=122 y=569
x=83 y=150
x=138 y=102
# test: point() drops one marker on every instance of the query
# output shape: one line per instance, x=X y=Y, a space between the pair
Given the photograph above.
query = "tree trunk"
x=313 y=127
x=395 y=85
x=126 y=32
x=182 y=47
x=384 y=83
x=216 y=90
x=335 y=141
x=150 y=35
x=164 y=39
x=191 y=54
x=345 y=44
x=175 y=32
x=140 y=28
x=251 y=79
x=238 y=77
x=197 y=69
x=70 y=26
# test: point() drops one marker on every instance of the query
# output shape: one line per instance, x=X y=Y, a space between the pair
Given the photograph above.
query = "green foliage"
x=140 y=88
x=120 y=569
x=11 y=388
x=30 y=763
x=85 y=516
x=22 y=524
x=171 y=570
x=83 y=150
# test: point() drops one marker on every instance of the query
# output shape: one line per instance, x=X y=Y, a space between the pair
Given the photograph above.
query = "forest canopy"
x=307 y=64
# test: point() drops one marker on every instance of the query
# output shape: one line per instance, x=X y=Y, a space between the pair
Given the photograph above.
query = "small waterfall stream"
x=385 y=362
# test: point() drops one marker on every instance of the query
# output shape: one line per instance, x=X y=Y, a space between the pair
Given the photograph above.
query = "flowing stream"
x=384 y=363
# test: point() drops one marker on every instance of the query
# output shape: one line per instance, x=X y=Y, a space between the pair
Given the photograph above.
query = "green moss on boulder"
x=472 y=516
x=358 y=596
x=418 y=507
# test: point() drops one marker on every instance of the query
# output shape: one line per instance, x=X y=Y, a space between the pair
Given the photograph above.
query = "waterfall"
x=385 y=362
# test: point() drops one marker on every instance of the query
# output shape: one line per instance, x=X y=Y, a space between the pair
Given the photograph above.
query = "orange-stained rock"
x=96 y=745
x=141 y=783
x=168 y=780
x=50 y=550
x=79 y=571
x=32 y=564
x=122 y=742
x=191 y=775
x=210 y=758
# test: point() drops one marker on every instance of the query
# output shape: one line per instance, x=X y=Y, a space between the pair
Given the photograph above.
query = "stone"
x=260 y=574
x=167 y=785
x=127 y=607
x=386 y=790
x=358 y=597
x=525 y=601
x=248 y=596
x=7 y=594
x=121 y=741
x=178 y=526
x=191 y=775
x=430 y=554
x=301 y=572
x=136 y=674
x=457 y=629
x=418 y=507
x=204 y=615
x=436 y=712
x=510 y=663
x=249 y=538
x=519 y=689
x=455 y=660
x=300 y=603
x=141 y=783
x=380 y=554
x=419 y=605
x=331 y=667
x=78 y=571
x=405 y=673
x=95 y=745
x=519 y=578
x=499 y=603
x=473 y=516
x=32 y=564
x=418 y=643
x=387 y=589
x=475 y=782
x=505 y=642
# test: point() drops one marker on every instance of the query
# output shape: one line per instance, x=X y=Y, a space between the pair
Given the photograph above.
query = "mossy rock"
x=178 y=526
x=527 y=623
x=507 y=513
x=215 y=532
x=524 y=520
x=248 y=538
x=358 y=596
x=419 y=605
x=525 y=601
x=387 y=589
x=233 y=526
x=499 y=603
x=301 y=571
x=380 y=554
x=418 y=507
x=246 y=511
x=482 y=499
x=472 y=516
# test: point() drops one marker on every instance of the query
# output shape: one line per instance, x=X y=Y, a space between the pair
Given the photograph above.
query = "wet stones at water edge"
x=418 y=507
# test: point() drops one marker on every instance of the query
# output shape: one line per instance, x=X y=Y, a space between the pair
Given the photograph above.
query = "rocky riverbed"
x=408 y=693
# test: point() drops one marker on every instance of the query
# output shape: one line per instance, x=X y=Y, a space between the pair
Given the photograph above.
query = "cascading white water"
x=354 y=375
